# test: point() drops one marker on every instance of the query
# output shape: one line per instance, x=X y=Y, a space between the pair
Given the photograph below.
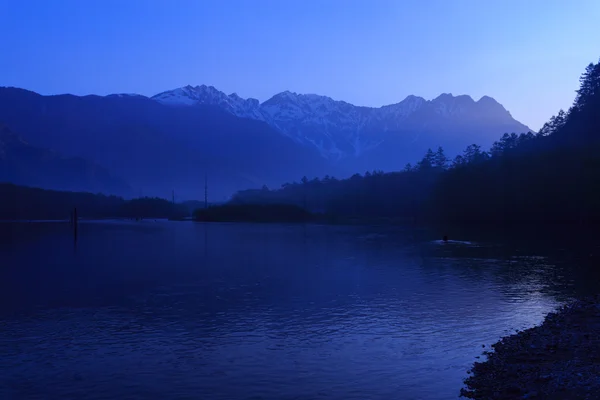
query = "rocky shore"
x=560 y=359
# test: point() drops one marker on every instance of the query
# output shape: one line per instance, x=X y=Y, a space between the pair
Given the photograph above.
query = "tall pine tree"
x=440 y=160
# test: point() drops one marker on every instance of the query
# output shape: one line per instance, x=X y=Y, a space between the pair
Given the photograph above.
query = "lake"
x=182 y=310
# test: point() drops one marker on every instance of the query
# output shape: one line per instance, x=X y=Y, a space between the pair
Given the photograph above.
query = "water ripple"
x=274 y=312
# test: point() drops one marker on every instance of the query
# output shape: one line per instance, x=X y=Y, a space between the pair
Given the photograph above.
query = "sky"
x=527 y=54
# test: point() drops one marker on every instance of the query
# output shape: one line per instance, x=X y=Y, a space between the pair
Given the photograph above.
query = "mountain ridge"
x=339 y=129
x=242 y=143
x=158 y=149
x=170 y=96
x=24 y=164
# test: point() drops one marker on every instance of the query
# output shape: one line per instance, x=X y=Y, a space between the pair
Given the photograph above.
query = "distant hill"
x=24 y=164
x=30 y=203
x=157 y=148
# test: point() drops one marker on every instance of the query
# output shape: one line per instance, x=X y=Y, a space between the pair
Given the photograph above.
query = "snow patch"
x=314 y=120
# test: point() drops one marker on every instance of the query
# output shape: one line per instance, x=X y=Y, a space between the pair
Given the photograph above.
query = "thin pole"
x=205 y=190
x=75 y=223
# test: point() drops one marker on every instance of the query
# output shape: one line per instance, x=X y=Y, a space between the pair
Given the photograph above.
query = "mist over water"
x=161 y=310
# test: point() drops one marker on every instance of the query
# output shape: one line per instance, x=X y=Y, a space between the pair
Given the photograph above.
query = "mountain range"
x=172 y=140
x=340 y=130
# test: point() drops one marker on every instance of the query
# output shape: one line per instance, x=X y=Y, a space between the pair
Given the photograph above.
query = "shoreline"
x=559 y=359
x=81 y=220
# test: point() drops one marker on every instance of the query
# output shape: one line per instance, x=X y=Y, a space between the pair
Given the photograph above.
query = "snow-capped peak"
x=406 y=107
x=336 y=128
x=125 y=95
x=448 y=105
x=209 y=95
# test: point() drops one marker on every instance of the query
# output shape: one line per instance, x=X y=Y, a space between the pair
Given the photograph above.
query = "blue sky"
x=527 y=54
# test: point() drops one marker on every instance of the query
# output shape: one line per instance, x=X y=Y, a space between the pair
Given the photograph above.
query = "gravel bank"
x=560 y=359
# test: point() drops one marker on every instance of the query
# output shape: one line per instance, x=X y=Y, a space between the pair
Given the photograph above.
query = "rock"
x=562 y=355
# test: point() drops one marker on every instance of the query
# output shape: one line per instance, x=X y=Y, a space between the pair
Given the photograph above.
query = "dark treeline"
x=548 y=177
x=19 y=202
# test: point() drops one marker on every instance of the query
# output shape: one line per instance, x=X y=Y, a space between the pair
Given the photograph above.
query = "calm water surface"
x=168 y=310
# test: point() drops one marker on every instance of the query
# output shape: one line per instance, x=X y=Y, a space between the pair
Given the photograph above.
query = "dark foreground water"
x=174 y=310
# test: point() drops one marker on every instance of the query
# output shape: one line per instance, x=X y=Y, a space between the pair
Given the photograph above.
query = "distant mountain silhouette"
x=23 y=164
x=365 y=137
x=171 y=141
x=157 y=148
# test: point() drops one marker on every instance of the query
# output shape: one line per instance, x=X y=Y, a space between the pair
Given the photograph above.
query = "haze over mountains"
x=32 y=166
x=170 y=141
x=341 y=130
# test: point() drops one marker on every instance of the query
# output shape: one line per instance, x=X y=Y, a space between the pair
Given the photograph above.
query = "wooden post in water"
x=75 y=223
x=205 y=190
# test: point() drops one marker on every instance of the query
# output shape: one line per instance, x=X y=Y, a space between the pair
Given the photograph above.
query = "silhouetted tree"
x=552 y=176
x=589 y=86
x=440 y=160
x=458 y=161
x=473 y=154
x=427 y=161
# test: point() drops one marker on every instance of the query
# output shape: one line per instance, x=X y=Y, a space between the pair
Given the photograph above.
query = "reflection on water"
x=166 y=310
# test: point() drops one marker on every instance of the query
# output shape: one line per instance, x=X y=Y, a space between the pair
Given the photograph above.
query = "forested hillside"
x=20 y=202
x=549 y=177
